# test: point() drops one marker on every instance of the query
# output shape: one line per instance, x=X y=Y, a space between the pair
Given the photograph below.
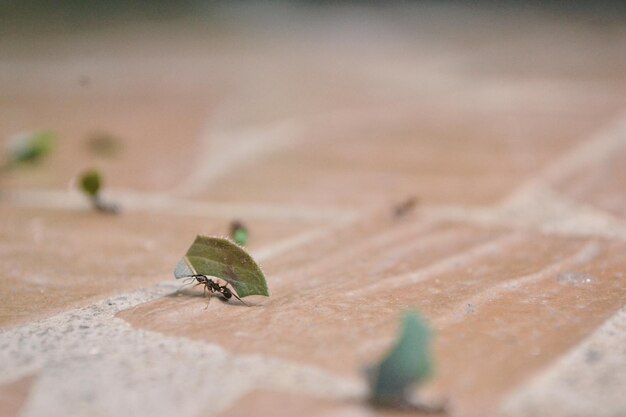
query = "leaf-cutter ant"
x=213 y=287
x=405 y=207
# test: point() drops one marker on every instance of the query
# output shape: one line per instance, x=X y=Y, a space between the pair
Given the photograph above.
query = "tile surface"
x=313 y=126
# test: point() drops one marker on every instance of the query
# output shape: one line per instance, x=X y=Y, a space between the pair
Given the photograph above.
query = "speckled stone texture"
x=310 y=124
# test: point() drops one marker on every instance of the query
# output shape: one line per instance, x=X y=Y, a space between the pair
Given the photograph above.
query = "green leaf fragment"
x=221 y=258
x=91 y=182
x=239 y=233
x=104 y=144
x=409 y=363
x=31 y=147
x=240 y=236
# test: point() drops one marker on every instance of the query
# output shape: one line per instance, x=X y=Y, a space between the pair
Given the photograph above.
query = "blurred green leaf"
x=103 y=144
x=31 y=147
x=221 y=258
x=407 y=364
x=239 y=233
x=91 y=182
x=240 y=237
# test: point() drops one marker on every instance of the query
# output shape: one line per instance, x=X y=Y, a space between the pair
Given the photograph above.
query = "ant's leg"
x=237 y=297
x=210 y=295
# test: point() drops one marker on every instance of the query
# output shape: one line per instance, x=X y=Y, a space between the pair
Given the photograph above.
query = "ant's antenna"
x=186 y=283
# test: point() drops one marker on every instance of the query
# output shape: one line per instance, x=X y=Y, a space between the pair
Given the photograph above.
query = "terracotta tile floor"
x=508 y=128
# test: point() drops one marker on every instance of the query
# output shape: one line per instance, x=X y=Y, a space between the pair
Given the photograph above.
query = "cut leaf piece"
x=221 y=258
x=103 y=144
x=31 y=147
x=90 y=182
x=239 y=233
x=408 y=363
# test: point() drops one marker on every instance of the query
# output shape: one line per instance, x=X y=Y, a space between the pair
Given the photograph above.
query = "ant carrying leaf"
x=223 y=259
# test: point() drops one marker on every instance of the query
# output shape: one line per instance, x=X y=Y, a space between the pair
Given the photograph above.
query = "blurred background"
x=321 y=126
x=318 y=104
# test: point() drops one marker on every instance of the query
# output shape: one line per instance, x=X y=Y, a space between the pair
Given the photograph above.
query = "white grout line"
x=541 y=209
x=161 y=203
x=348 y=252
x=241 y=145
x=440 y=267
x=272 y=250
x=603 y=144
x=589 y=380
x=584 y=255
x=88 y=362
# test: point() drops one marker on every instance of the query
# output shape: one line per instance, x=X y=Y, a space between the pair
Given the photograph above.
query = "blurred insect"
x=406 y=206
x=211 y=287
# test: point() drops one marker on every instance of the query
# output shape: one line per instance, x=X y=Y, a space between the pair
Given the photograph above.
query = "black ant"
x=406 y=206
x=213 y=287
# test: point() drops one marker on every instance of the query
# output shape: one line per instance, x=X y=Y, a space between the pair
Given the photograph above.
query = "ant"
x=213 y=287
x=406 y=206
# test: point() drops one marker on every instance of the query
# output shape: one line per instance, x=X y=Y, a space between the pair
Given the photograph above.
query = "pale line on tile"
x=349 y=251
x=241 y=146
x=135 y=201
x=438 y=238
x=534 y=205
x=89 y=362
x=542 y=210
x=602 y=144
x=271 y=250
x=291 y=243
x=388 y=258
x=587 y=253
x=346 y=222
x=226 y=148
x=589 y=380
x=443 y=266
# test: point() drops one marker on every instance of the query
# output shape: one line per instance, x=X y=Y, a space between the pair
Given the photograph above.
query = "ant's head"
x=200 y=278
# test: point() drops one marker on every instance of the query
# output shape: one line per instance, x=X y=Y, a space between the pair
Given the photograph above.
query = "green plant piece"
x=221 y=258
x=31 y=147
x=91 y=182
x=407 y=364
x=103 y=144
x=239 y=233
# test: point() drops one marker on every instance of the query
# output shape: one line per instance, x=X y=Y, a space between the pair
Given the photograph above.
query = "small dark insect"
x=214 y=287
x=403 y=208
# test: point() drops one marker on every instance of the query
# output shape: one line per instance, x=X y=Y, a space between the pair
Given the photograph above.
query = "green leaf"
x=91 y=182
x=407 y=364
x=31 y=147
x=103 y=144
x=241 y=237
x=239 y=233
x=221 y=258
